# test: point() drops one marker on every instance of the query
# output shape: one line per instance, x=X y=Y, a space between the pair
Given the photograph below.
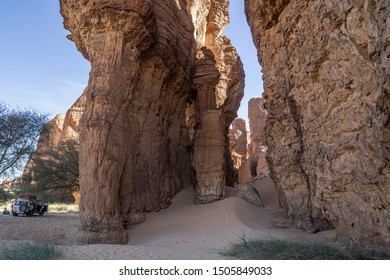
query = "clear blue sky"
x=41 y=69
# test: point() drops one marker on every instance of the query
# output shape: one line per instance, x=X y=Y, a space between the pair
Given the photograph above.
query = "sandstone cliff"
x=326 y=78
x=164 y=86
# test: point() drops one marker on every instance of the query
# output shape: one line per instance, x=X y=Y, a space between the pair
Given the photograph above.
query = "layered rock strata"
x=326 y=80
x=158 y=104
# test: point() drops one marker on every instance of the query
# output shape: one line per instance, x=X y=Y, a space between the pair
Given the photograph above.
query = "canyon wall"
x=327 y=84
x=164 y=86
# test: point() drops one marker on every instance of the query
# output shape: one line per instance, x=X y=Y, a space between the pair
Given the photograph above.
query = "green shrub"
x=29 y=251
x=63 y=208
x=276 y=249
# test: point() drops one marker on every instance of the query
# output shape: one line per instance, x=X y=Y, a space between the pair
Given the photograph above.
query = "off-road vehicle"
x=28 y=205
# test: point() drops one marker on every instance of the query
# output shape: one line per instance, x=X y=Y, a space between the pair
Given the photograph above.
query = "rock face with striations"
x=327 y=86
x=164 y=86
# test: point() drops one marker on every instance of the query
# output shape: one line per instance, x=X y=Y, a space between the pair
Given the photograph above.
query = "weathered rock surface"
x=70 y=128
x=245 y=192
x=240 y=138
x=257 y=116
x=239 y=146
x=219 y=81
x=164 y=87
x=327 y=85
x=248 y=148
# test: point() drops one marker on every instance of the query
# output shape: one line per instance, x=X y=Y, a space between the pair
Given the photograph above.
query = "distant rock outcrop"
x=165 y=84
x=248 y=148
x=54 y=132
x=239 y=146
x=327 y=89
x=257 y=117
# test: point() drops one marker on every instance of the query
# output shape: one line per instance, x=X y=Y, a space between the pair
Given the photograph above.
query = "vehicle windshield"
x=21 y=202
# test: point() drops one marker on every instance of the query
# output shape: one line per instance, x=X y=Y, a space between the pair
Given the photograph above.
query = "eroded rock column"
x=134 y=142
x=209 y=153
x=217 y=99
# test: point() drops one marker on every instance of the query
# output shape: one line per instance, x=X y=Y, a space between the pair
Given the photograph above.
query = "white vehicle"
x=28 y=205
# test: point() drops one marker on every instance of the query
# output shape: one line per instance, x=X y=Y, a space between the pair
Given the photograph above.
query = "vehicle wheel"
x=15 y=214
x=23 y=208
x=30 y=213
x=41 y=213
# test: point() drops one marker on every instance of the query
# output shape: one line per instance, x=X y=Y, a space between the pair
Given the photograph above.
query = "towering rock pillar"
x=219 y=82
x=209 y=153
x=134 y=141
x=327 y=86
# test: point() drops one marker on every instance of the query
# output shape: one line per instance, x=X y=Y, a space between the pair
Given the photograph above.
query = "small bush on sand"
x=63 y=208
x=29 y=251
x=276 y=249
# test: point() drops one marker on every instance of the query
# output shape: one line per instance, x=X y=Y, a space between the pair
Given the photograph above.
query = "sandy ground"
x=183 y=231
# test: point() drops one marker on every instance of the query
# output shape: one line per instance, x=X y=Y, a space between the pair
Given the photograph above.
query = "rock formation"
x=257 y=117
x=248 y=148
x=240 y=140
x=59 y=129
x=62 y=128
x=327 y=84
x=70 y=128
x=54 y=137
x=240 y=147
x=220 y=87
x=164 y=86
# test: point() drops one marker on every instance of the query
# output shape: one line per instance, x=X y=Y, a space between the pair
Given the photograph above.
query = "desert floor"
x=183 y=231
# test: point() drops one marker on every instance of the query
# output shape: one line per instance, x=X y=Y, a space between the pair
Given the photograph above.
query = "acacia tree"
x=19 y=132
x=4 y=195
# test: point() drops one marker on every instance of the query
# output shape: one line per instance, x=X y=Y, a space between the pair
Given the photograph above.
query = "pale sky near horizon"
x=41 y=69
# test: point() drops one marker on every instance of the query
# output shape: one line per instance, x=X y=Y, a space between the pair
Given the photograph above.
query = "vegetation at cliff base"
x=29 y=251
x=276 y=249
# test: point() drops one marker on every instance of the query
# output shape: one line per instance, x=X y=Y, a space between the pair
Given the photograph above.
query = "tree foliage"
x=57 y=167
x=19 y=132
x=4 y=194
